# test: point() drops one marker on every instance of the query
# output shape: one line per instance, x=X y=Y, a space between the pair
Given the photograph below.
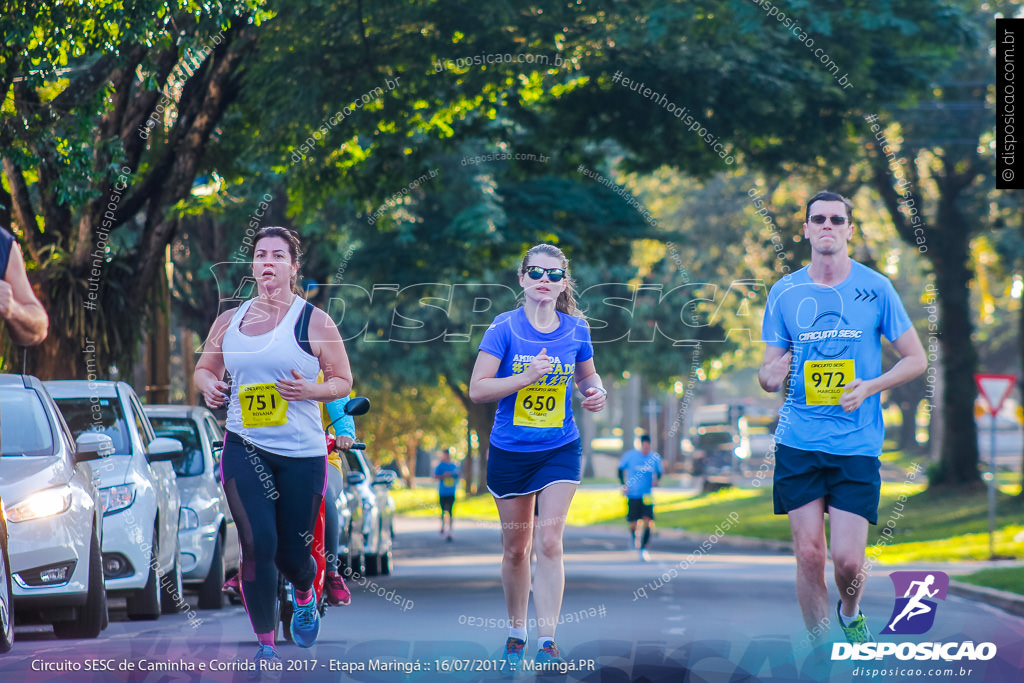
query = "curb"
x=1004 y=600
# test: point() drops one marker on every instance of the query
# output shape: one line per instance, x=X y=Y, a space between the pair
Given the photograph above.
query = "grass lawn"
x=1010 y=579
x=925 y=526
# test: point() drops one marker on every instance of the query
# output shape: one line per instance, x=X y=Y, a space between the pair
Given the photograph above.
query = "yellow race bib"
x=262 y=406
x=540 y=405
x=648 y=499
x=824 y=380
x=448 y=481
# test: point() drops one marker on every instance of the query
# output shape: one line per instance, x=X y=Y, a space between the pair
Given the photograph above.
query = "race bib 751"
x=262 y=405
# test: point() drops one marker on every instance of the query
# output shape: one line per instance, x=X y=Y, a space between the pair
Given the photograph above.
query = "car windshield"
x=99 y=415
x=184 y=430
x=711 y=440
x=353 y=462
x=25 y=428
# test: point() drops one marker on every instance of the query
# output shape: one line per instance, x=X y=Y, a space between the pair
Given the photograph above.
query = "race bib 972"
x=540 y=405
x=824 y=380
x=262 y=406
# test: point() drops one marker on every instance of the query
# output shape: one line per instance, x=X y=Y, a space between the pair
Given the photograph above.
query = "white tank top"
x=256 y=411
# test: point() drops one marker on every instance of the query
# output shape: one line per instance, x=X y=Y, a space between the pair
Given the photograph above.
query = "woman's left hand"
x=594 y=399
x=298 y=389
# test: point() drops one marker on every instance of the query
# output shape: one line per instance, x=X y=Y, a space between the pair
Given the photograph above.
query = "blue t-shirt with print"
x=446 y=486
x=835 y=335
x=640 y=471
x=538 y=417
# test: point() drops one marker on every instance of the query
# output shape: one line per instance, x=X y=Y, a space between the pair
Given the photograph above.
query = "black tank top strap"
x=6 y=245
x=302 y=328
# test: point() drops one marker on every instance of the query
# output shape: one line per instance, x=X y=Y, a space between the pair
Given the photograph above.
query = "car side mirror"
x=92 y=446
x=360 y=405
x=385 y=477
x=164 y=449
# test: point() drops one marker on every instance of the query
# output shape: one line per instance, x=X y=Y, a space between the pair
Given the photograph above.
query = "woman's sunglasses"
x=820 y=220
x=554 y=274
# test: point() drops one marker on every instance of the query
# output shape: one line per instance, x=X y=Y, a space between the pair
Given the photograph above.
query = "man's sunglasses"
x=554 y=274
x=820 y=220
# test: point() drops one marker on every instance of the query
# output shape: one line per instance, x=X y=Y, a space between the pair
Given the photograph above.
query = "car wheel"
x=171 y=597
x=6 y=613
x=144 y=604
x=210 y=594
x=93 y=615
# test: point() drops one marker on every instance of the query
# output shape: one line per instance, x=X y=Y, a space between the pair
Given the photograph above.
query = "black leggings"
x=275 y=501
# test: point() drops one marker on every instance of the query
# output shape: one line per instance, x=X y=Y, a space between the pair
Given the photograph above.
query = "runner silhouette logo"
x=916 y=592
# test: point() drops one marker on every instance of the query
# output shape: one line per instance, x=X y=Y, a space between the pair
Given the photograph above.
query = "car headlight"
x=117 y=497
x=188 y=519
x=44 y=503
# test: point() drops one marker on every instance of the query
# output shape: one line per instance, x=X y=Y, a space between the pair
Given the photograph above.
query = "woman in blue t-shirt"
x=528 y=362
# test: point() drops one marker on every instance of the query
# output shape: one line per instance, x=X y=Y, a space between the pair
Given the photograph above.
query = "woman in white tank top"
x=273 y=466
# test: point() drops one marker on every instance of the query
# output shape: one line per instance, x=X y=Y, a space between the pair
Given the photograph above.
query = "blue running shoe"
x=514 y=656
x=305 y=622
x=268 y=665
x=549 y=659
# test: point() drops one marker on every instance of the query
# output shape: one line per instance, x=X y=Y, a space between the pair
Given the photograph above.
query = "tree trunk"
x=1020 y=347
x=958 y=458
x=907 y=440
x=481 y=419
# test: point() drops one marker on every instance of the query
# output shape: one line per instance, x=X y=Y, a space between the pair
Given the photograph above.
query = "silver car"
x=139 y=490
x=207 y=533
x=6 y=607
x=54 y=514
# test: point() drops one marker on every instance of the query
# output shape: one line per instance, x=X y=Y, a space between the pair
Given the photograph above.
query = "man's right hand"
x=774 y=372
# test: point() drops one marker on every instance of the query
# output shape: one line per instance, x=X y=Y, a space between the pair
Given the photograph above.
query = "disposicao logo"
x=914 y=614
x=916 y=592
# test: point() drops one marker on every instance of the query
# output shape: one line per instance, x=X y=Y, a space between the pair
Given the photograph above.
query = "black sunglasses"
x=554 y=274
x=836 y=220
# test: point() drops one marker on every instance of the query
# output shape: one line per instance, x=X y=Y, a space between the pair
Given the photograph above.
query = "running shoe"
x=644 y=557
x=305 y=622
x=548 y=657
x=233 y=586
x=337 y=592
x=449 y=538
x=268 y=664
x=857 y=630
x=513 y=655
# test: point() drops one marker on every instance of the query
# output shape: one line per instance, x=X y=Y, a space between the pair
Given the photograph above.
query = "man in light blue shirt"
x=639 y=471
x=447 y=475
x=823 y=327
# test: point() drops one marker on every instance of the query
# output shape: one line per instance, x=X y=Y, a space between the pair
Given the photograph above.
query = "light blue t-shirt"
x=640 y=471
x=344 y=425
x=830 y=331
x=538 y=417
x=446 y=486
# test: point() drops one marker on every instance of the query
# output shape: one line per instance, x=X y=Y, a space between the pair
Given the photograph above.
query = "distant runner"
x=447 y=475
x=639 y=471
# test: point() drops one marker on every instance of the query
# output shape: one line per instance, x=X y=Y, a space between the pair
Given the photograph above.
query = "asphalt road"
x=728 y=615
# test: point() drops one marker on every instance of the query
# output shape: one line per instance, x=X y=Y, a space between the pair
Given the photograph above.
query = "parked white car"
x=139 y=492
x=207 y=532
x=6 y=605
x=54 y=514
